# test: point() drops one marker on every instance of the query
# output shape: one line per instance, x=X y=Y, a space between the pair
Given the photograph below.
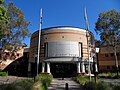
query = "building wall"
x=107 y=59
x=62 y=34
x=7 y=57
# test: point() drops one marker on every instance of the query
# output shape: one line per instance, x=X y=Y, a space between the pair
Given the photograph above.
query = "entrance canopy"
x=73 y=59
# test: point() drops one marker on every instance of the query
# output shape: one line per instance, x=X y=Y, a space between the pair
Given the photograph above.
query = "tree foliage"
x=17 y=28
x=3 y=19
x=108 y=26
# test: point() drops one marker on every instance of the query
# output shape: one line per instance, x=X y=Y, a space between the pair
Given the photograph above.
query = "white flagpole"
x=87 y=36
x=39 y=38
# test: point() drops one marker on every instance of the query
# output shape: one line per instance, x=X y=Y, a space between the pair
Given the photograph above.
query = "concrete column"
x=43 y=67
x=96 y=68
x=83 y=67
x=29 y=67
x=48 y=67
x=78 y=67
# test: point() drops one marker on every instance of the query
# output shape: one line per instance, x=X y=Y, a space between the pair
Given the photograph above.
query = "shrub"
x=90 y=86
x=37 y=86
x=108 y=75
x=116 y=87
x=3 y=73
x=45 y=80
x=97 y=86
x=81 y=79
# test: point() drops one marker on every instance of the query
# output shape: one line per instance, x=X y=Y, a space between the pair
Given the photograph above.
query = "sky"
x=63 y=12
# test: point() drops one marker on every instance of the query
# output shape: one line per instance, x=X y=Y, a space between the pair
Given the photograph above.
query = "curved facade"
x=62 y=45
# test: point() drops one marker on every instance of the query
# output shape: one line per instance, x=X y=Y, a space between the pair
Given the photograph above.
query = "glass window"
x=112 y=54
x=108 y=67
x=117 y=54
x=106 y=55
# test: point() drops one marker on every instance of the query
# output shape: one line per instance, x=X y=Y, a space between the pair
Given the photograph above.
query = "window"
x=108 y=67
x=119 y=66
x=113 y=67
x=117 y=54
x=0 y=56
x=106 y=55
x=112 y=54
x=45 y=49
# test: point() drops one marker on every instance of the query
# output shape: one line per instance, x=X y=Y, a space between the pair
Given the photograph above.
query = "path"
x=59 y=84
x=10 y=79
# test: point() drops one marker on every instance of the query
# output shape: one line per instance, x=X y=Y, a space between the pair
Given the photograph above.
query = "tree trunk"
x=116 y=60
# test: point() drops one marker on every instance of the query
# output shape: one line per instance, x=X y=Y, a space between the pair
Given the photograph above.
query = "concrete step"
x=66 y=84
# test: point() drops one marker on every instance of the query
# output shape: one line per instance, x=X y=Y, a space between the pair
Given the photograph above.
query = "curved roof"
x=65 y=28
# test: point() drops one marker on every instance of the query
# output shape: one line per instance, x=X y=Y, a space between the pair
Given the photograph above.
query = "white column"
x=48 y=67
x=78 y=67
x=96 y=68
x=43 y=67
x=83 y=67
x=29 y=67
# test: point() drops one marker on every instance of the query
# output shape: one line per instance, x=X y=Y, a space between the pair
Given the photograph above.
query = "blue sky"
x=63 y=12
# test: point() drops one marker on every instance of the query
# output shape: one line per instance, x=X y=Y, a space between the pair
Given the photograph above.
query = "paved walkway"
x=59 y=84
x=10 y=79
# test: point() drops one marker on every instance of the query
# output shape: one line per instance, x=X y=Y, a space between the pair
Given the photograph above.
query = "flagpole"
x=87 y=36
x=39 y=38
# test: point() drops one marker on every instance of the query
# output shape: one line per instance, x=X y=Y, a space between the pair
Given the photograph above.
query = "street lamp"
x=95 y=68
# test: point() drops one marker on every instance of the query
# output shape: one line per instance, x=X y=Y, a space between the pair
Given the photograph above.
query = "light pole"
x=88 y=43
x=95 y=66
x=39 y=38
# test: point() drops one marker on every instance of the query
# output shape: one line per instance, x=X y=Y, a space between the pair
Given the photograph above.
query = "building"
x=15 y=61
x=62 y=50
x=106 y=59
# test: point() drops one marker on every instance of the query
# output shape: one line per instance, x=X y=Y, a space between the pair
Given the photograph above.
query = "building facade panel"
x=62 y=45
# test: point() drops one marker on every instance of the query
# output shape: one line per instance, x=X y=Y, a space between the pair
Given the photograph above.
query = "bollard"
x=66 y=86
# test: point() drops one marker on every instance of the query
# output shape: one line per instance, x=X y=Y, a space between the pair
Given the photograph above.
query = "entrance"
x=65 y=70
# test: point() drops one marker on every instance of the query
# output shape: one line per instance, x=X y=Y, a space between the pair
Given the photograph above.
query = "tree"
x=17 y=28
x=3 y=19
x=108 y=26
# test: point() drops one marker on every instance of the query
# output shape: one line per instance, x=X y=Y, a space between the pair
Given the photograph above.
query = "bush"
x=45 y=80
x=3 y=73
x=82 y=79
x=116 y=87
x=97 y=86
x=37 y=86
x=90 y=86
x=109 y=75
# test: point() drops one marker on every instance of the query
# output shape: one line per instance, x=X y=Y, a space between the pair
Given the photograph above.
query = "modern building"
x=106 y=58
x=62 y=50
